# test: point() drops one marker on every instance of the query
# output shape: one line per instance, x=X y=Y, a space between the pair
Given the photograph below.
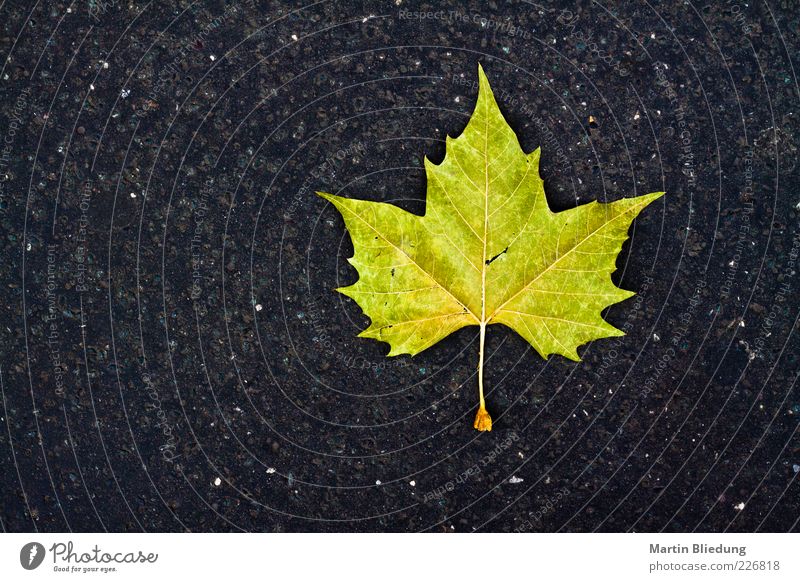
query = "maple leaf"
x=487 y=250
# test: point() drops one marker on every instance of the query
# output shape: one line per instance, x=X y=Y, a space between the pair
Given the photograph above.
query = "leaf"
x=488 y=250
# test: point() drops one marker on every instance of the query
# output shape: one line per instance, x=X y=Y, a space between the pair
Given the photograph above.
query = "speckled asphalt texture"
x=173 y=355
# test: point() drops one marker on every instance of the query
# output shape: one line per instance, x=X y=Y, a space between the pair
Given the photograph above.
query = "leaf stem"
x=483 y=421
x=480 y=365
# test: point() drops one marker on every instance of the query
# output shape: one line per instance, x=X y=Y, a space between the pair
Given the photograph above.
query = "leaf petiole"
x=483 y=421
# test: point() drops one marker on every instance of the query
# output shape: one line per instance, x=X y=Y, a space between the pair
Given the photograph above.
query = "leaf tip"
x=483 y=81
x=346 y=291
x=533 y=158
x=652 y=197
x=329 y=197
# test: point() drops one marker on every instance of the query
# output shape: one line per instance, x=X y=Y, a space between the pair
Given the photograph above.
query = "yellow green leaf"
x=488 y=250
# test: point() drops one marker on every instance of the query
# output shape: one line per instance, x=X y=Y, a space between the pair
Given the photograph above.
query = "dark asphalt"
x=173 y=355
